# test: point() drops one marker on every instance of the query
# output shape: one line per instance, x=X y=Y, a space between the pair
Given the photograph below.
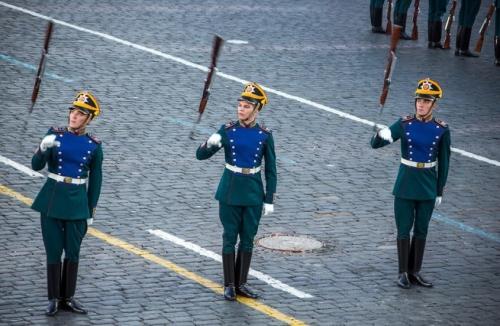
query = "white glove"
x=48 y=142
x=214 y=140
x=90 y=221
x=268 y=209
x=439 y=199
x=385 y=134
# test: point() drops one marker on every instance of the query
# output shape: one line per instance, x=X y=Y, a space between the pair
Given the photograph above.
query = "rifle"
x=416 y=11
x=388 y=28
x=41 y=66
x=449 y=22
x=217 y=45
x=389 y=69
x=484 y=28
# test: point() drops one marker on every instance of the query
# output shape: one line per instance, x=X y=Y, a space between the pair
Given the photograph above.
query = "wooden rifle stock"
x=388 y=28
x=389 y=69
x=484 y=28
x=449 y=22
x=41 y=65
x=416 y=11
x=216 y=47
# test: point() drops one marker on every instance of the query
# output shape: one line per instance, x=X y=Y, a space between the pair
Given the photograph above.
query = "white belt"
x=242 y=170
x=64 y=179
x=420 y=165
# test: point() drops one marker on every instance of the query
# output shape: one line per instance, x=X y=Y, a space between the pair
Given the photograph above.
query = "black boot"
x=438 y=29
x=458 y=43
x=464 y=45
x=497 y=51
x=228 y=268
x=376 y=19
x=242 y=268
x=403 y=251
x=430 y=35
x=53 y=276
x=415 y=263
x=401 y=21
x=68 y=285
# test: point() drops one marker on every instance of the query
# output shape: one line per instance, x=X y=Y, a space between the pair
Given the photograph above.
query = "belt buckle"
x=420 y=165
x=67 y=179
x=245 y=170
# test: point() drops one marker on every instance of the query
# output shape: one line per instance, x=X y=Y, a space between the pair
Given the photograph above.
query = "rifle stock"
x=389 y=69
x=416 y=11
x=388 y=28
x=484 y=28
x=449 y=22
x=41 y=65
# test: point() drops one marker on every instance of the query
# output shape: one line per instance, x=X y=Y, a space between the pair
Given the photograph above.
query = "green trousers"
x=414 y=214
x=62 y=235
x=437 y=8
x=242 y=221
x=468 y=12
x=377 y=3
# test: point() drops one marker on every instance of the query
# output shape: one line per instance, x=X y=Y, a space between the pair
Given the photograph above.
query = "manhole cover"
x=292 y=243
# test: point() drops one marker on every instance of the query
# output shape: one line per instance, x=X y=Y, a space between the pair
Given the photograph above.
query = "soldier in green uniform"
x=376 y=11
x=466 y=18
x=437 y=8
x=400 y=13
x=425 y=144
x=497 y=33
x=68 y=198
x=241 y=192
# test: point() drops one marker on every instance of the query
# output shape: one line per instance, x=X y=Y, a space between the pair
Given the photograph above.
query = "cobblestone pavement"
x=332 y=186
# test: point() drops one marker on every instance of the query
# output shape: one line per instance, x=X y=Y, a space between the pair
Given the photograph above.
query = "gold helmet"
x=86 y=102
x=428 y=89
x=254 y=94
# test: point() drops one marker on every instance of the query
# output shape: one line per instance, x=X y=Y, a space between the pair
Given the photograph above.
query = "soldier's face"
x=246 y=111
x=424 y=106
x=77 y=119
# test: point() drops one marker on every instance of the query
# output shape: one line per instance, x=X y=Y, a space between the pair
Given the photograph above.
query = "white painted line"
x=20 y=167
x=230 y=77
x=236 y=42
x=210 y=254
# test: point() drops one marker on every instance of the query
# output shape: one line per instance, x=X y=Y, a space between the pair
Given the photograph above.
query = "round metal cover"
x=291 y=243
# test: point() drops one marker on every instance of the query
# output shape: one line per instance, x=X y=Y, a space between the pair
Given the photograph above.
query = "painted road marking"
x=32 y=67
x=210 y=254
x=215 y=287
x=230 y=77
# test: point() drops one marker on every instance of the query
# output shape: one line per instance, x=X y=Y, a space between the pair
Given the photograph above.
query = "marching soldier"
x=437 y=8
x=376 y=11
x=466 y=18
x=241 y=193
x=400 y=13
x=425 y=144
x=497 y=33
x=68 y=200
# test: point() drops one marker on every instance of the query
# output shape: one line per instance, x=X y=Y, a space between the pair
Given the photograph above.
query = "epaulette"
x=58 y=129
x=94 y=138
x=264 y=128
x=229 y=124
x=441 y=122
x=408 y=117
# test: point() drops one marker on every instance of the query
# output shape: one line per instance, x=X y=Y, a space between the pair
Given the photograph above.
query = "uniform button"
x=84 y=158
x=430 y=154
x=433 y=143
x=79 y=170
x=59 y=145
x=90 y=142
x=231 y=140
x=437 y=137
x=78 y=177
x=232 y=147
x=411 y=159
x=430 y=148
x=81 y=164
x=428 y=160
x=60 y=135
x=411 y=152
x=409 y=140
x=59 y=153
x=260 y=132
x=60 y=160
x=258 y=148
x=411 y=146
x=60 y=167
x=59 y=173
x=255 y=161
x=437 y=127
x=234 y=129
x=410 y=123
x=234 y=160
x=407 y=133
x=88 y=152
x=260 y=142
x=234 y=153
x=256 y=155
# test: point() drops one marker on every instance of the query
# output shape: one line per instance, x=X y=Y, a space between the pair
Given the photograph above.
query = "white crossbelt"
x=64 y=179
x=420 y=165
x=242 y=170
